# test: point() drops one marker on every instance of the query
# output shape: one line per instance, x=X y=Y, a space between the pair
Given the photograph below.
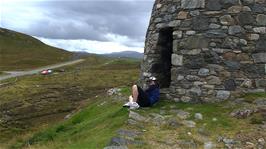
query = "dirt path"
x=12 y=74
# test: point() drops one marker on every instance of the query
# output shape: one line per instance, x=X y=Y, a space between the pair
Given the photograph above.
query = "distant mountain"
x=128 y=54
x=20 y=51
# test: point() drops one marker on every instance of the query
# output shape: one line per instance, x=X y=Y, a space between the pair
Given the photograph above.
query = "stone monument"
x=206 y=50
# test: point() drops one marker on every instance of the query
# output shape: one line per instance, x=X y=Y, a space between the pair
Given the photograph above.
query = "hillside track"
x=13 y=74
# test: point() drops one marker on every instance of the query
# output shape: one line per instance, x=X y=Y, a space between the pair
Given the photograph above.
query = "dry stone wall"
x=217 y=48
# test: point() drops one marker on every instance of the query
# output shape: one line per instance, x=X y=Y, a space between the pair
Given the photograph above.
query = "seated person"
x=141 y=98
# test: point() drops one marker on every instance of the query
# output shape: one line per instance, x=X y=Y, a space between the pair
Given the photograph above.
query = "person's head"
x=152 y=80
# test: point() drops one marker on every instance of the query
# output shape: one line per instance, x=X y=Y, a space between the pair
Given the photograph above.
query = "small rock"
x=182 y=114
x=198 y=116
x=190 y=124
x=213 y=80
x=236 y=29
x=115 y=147
x=242 y=113
x=223 y=94
x=136 y=116
x=261 y=141
x=214 y=119
x=203 y=72
x=209 y=145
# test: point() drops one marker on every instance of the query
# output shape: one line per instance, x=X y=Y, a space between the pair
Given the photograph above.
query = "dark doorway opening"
x=163 y=67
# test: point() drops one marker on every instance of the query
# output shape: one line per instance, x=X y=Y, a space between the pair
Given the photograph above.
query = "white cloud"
x=89 y=45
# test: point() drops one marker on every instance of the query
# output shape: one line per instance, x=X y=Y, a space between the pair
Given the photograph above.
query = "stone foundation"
x=206 y=50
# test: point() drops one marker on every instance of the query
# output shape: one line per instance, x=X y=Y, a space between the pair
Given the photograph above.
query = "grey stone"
x=209 y=145
x=261 y=83
x=196 y=42
x=177 y=60
x=243 y=41
x=136 y=116
x=186 y=99
x=173 y=123
x=182 y=114
x=261 y=44
x=192 y=78
x=227 y=20
x=258 y=8
x=248 y=2
x=215 y=34
x=198 y=116
x=230 y=85
x=242 y=113
x=261 y=30
x=214 y=26
x=213 y=80
x=222 y=95
x=190 y=124
x=195 y=91
x=195 y=62
x=235 y=9
x=190 y=32
x=253 y=37
x=128 y=133
x=204 y=72
x=228 y=3
x=259 y=57
x=191 y=4
x=232 y=65
x=236 y=29
x=191 y=52
x=178 y=34
x=261 y=19
x=119 y=141
x=200 y=23
x=211 y=57
x=260 y=101
x=245 y=18
x=214 y=5
x=115 y=147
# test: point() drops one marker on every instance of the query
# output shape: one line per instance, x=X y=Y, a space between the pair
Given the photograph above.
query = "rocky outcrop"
x=211 y=48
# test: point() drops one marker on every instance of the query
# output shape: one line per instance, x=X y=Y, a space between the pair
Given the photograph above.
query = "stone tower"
x=206 y=50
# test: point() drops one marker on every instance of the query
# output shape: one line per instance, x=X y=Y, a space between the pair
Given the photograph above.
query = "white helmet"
x=152 y=78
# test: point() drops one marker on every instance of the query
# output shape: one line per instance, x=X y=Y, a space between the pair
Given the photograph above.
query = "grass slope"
x=20 y=51
x=38 y=103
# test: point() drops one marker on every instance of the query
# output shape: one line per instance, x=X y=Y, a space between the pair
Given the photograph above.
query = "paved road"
x=12 y=74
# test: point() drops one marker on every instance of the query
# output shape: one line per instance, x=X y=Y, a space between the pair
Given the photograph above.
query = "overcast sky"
x=96 y=26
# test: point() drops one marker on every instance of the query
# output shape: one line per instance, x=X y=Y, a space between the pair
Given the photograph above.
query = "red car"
x=46 y=72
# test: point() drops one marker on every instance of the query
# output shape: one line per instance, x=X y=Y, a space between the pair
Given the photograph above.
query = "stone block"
x=223 y=95
x=200 y=23
x=214 y=5
x=192 y=4
x=245 y=18
x=177 y=60
x=261 y=83
x=259 y=57
x=227 y=20
x=261 y=19
x=236 y=29
x=204 y=72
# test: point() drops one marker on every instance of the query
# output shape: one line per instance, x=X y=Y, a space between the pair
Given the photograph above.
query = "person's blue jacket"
x=153 y=93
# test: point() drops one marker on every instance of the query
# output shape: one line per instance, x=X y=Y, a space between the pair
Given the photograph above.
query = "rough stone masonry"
x=206 y=50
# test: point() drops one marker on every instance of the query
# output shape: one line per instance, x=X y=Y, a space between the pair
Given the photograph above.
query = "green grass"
x=19 y=51
x=250 y=97
x=90 y=128
x=78 y=84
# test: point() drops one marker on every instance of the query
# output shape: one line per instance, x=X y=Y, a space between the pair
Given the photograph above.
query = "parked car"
x=46 y=72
